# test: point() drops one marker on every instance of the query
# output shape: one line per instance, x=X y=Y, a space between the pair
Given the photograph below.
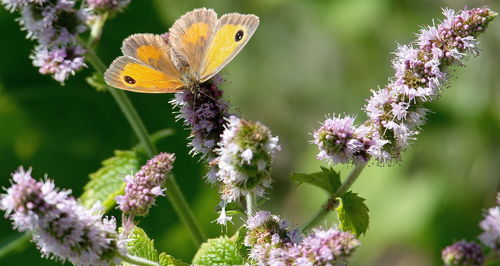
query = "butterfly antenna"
x=212 y=98
x=194 y=107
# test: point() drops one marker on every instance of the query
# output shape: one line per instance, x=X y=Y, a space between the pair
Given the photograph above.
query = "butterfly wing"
x=145 y=67
x=130 y=74
x=232 y=33
x=190 y=36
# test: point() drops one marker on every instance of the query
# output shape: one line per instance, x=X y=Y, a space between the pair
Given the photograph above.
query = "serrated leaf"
x=328 y=179
x=167 y=260
x=108 y=181
x=353 y=214
x=142 y=246
x=218 y=251
x=239 y=240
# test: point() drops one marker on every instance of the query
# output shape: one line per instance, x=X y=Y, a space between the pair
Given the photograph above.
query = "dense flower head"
x=107 y=5
x=324 y=247
x=395 y=112
x=340 y=141
x=61 y=228
x=55 y=25
x=491 y=229
x=13 y=5
x=272 y=242
x=54 y=22
x=203 y=111
x=268 y=238
x=463 y=253
x=246 y=154
x=147 y=184
x=59 y=62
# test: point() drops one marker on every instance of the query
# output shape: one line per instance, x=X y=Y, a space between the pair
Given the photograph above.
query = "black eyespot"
x=129 y=80
x=238 y=36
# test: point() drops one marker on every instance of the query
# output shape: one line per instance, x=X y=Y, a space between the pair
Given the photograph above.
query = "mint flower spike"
x=395 y=112
x=246 y=152
x=463 y=253
x=147 y=184
x=324 y=247
x=269 y=238
x=62 y=229
x=203 y=112
x=272 y=242
x=55 y=25
x=491 y=228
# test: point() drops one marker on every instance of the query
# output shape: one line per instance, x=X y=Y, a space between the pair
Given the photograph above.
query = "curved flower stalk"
x=395 y=112
x=62 y=229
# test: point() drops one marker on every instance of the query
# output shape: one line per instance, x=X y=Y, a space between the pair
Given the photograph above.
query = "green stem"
x=176 y=197
x=17 y=243
x=250 y=204
x=134 y=260
x=332 y=202
x=178 y=201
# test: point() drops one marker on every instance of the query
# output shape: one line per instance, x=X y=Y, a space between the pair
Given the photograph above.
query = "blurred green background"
x=307 y=59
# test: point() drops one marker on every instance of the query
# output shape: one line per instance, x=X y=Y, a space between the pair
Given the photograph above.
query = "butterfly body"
x=196 y=48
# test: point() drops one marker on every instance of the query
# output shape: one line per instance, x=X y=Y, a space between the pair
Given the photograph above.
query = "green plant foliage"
x=219 y=251
x=353 y=214
x=239 y=239
x=328 y=179
x=108 y=181
x=142 y=246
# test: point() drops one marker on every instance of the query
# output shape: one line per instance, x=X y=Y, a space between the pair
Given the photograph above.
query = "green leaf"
x=239 y=240
x=353 y=213
x=97 y=81
x=108 y=181
x=328 y=179
x=170 y=261
x=141 y=246
x=218 y=251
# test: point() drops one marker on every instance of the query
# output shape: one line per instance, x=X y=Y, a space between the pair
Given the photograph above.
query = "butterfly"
x=197 y=47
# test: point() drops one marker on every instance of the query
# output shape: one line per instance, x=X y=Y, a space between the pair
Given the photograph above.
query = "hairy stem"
x=134 y=260
x=175 y=195
x=250 y=204
x=332 y=202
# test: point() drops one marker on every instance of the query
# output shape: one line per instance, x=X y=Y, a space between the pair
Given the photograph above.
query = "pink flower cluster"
x=463 y=253
x=61 y=228
x=271 y=242
x=55 y=25
x=147 y=184
x=395 y=112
